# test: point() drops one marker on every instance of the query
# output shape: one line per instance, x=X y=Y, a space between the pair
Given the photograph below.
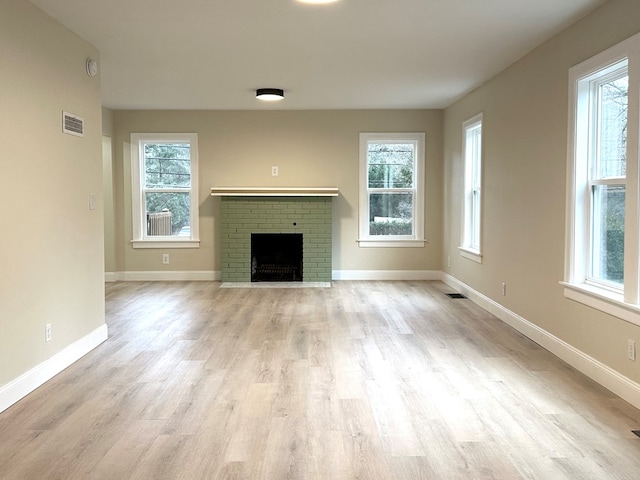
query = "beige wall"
x=525 y=148
x=107 y=122
x=51 y=260
x=311 y=148
x=108 y=206
x=110 y=264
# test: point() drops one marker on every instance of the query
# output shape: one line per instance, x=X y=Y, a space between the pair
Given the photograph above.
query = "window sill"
x=469 y=254
x=606 y=301
x=388 y=243
x=187 y=243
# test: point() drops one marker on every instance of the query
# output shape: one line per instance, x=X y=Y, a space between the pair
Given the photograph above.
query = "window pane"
x=476 y=146
x=608 y=233
x=475 y=219
x=612 y=128
x=472 y=154
x=390 y=165
x=167 y=165
x=176 y=204
x=390 y=214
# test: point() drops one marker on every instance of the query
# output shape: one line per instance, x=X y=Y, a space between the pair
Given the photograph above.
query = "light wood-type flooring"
x=364 y=380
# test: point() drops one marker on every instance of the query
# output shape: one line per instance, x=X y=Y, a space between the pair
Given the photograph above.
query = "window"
x=164 y=188
x=472 y=148
x=391 y=190
x=602 y=262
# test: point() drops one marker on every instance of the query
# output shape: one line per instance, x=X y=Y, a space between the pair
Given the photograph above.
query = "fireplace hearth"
x=276 y=257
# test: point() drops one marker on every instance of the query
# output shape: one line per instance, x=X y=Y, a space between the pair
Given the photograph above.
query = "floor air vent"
x=72 y=124
x=455 y=295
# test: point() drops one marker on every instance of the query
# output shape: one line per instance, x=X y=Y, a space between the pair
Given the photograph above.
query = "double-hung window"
x=602 y=260
x=391 y=190
x=472 y=148
x=164 y=188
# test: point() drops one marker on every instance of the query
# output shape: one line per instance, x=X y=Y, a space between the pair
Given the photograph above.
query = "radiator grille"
x=159 y=223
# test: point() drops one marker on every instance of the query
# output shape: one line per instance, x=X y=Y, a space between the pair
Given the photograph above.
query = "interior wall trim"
x=45 y=371
x=160 y=276
x=110 y=277
x=386 y=275
x=609 y=378
x=210 y=276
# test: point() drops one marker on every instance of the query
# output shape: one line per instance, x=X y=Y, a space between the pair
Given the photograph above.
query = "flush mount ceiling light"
x=317 y=2
x=270 y=94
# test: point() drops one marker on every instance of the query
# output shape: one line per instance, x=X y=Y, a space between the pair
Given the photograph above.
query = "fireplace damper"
x=276 y=257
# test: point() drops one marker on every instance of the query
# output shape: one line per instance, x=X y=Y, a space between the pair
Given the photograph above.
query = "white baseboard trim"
x=40 y=374
x=184 y=276
x=110 y=277
x=169 y=276
x=597 y=371
x=386 y=275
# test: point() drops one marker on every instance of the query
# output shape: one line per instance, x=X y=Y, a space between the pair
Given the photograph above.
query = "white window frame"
x=621 y=303
x=470 y=244
x=140 y=237
x=417 y=238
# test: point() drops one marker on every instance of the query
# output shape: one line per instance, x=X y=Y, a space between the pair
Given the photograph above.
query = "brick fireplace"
x=247 y=211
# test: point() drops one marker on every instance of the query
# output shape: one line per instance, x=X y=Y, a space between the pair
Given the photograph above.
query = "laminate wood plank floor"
x=364 y=380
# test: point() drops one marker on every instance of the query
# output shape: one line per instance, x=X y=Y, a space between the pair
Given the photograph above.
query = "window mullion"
x=608 y=181
x=167 y=190
x=391 y=190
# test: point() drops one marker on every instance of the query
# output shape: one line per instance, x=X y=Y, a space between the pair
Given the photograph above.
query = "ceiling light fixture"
x=270 y=94
x=317 y=2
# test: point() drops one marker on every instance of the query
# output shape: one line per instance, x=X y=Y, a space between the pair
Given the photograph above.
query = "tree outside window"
x=168 y=182
x=390 y=172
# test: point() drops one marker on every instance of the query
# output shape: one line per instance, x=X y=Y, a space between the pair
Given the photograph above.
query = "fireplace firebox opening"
x=276 y=257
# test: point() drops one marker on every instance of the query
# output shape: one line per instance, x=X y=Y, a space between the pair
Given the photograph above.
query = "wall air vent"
x=72 y=124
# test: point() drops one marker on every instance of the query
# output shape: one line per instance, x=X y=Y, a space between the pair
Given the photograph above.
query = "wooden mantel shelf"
x=274 y=191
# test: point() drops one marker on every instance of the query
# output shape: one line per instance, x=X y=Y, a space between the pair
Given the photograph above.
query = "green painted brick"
x=242 y=216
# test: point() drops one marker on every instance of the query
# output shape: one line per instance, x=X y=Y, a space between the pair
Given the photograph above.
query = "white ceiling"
x=213 y=54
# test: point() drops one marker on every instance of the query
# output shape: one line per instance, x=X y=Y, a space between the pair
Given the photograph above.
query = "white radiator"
x=159 y=223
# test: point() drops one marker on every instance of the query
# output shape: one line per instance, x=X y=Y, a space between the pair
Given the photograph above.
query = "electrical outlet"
x=47 y=332
x=449 y=261
x=274 y=171
x=165 y=259
x=631 y=350
x=92 y=201
x=504 y=289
